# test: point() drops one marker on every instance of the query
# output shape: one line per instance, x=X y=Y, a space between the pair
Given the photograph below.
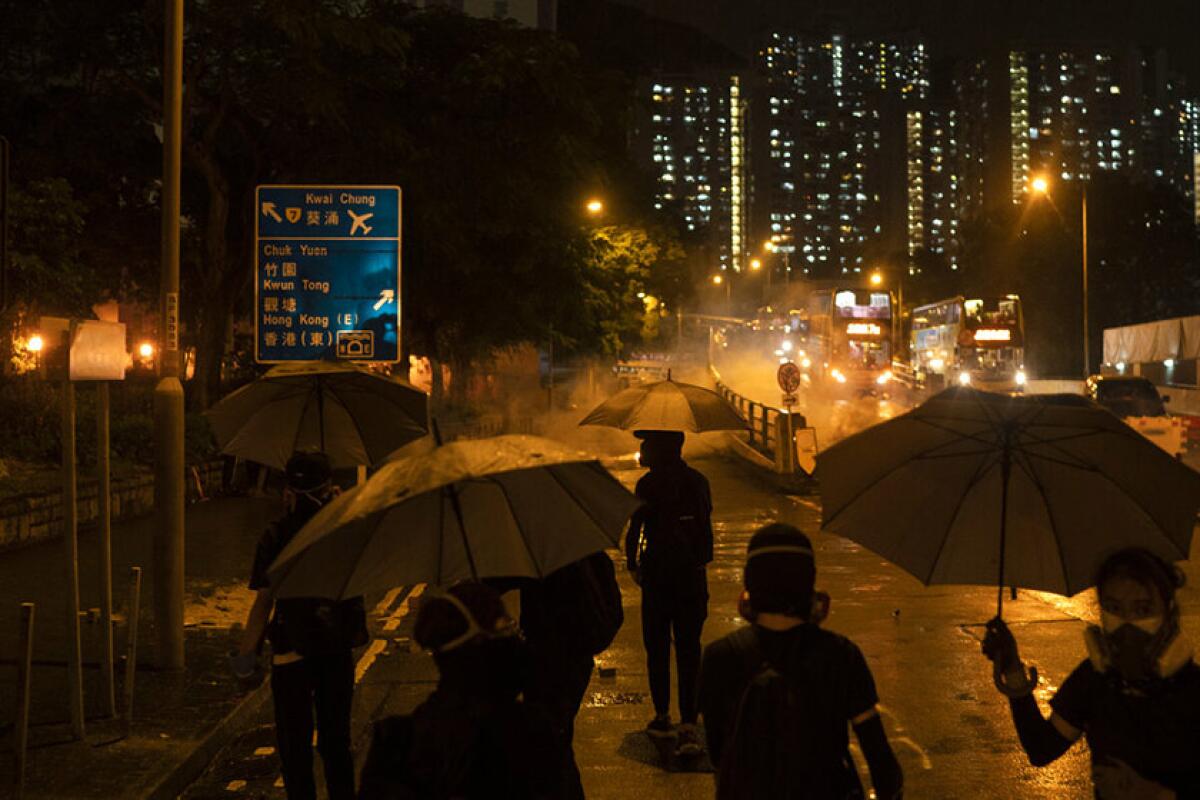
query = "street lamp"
x=720 y=279
x=1041 y=185
x=595 y=206
x=876 y=279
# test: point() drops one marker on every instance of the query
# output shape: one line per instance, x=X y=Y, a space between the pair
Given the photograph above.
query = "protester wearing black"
x=778 y=696
x=568 y=617
x=670 y=541
x=472 y=738
x=1136 y=698
x=312 y=643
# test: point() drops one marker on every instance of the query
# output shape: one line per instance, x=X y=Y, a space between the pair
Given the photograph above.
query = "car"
x=1126 y=396
x=1137 y=401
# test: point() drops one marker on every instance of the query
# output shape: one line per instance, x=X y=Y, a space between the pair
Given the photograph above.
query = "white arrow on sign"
x=385 y=296
x=268 y=210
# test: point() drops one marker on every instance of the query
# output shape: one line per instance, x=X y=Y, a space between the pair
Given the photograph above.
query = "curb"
x=748 y=457
x=185 y=773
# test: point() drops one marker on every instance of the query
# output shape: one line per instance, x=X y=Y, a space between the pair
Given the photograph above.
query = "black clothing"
x=682 y=613
x=463 y=747
x=670 y=540
x=836 y=682
x=325 y=633
x=559 y=683
x=328 y=683
x=675 y=522
x=1153 y=729
x=1040 y=739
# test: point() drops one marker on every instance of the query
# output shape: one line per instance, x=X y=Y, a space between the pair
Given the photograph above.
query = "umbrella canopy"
x=354 y=415
x=979 y=488
x=512 y=506
x=666 y=406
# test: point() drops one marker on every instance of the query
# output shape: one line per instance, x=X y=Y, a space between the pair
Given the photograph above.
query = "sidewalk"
x=179 y=719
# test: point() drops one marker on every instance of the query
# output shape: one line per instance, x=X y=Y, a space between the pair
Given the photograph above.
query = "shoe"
x=660 y=727
x=688 y=744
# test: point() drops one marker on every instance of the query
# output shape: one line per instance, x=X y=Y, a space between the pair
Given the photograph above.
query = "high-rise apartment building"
x=1071 y=113
x=831 y=146
x=692 y=137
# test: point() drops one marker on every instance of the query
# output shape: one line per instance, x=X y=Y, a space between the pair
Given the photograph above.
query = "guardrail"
x=770 y=427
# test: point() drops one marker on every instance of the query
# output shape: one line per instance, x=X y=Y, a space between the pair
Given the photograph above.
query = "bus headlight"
x=787 y=345
x=1020 y=377
x=838 y=376
x=936 y=364
x=884 y=378
x=964 y=378
x=806 y=363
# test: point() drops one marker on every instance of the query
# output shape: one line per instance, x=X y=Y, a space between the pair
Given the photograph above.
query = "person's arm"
x=886 y=775
x=1043 y=740
x=708 y=531
x=632 y=537
x=256 y=623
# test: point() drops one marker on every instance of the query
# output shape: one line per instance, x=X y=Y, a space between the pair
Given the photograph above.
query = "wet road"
x=950 y=728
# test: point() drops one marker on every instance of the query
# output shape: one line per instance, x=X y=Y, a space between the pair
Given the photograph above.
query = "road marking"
x=908 y=741
x=804 y=501
x=279 y=782
x=234 y=786
x=264 y=751
x=393 y=622
x=387 y=601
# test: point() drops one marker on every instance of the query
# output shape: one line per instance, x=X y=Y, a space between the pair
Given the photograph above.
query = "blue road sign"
x=327 y=273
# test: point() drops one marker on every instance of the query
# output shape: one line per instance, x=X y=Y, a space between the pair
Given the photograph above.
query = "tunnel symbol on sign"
x=355 y=344
x=292 y=213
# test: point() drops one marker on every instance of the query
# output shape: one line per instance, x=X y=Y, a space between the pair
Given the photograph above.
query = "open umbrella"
x=354 y=415
x=666 y=406
x=975 y=488
x=511 y=506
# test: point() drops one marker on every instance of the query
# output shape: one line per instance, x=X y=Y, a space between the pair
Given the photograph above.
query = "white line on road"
x=804 y=501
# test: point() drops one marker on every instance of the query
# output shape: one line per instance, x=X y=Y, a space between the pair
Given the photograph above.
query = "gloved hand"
x=1008 y=673
x=242 y=665
x=1000 y=647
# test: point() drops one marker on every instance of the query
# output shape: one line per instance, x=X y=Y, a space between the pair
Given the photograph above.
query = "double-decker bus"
x=976 y=342
x=850 y=337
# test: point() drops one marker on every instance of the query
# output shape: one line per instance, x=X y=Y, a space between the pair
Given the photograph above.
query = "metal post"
x=71 y=558
x=131 y=634
x=104 y=509
x=1086 y=355
x=4 y=178
x=24 y=684
x=168 y=394
x=550 y=373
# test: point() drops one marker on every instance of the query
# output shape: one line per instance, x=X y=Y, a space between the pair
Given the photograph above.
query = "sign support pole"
x=168 y=394
x=104 y=508
x=71 y=561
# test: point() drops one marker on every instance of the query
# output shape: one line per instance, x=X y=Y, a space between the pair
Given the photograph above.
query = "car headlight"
x=936 y=363
x=964 y=378
x=787 y=345
x=884 y=378
x=838 y=376
x=806 y=363
x=1020 y=377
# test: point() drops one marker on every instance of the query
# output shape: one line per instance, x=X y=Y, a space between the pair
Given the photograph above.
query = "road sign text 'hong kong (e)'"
x=327 y=273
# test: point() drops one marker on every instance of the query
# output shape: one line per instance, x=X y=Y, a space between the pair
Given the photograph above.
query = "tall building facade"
x=692 y=136
x=1071 y=113
x=832 y=146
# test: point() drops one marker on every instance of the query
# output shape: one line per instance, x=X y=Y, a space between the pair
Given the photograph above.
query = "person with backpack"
x=568 y=617
x=473 y=738
x=312 y=641
x=669 y=544
x=779 y=695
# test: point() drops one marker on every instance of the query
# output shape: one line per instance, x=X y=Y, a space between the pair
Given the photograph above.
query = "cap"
x=308 y=470
x=674 y=437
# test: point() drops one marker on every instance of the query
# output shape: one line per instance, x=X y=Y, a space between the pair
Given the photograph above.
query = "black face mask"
x=507 y=666
x=1133 y=652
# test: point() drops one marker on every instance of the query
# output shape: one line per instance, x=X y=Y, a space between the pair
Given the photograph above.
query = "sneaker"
x=688 y=744
x=660 y=727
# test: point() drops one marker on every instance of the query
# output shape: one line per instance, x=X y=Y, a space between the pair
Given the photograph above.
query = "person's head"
x=660 y=448
x=1139 y=614
x=309 y=477
x=780 y=573
x=476 y=645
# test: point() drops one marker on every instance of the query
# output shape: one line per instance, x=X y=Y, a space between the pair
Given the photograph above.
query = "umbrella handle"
x=1012 y=691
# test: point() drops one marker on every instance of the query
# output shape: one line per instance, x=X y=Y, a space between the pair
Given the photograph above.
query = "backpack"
x=590 y=599
x=682 y=534
x=771 y=755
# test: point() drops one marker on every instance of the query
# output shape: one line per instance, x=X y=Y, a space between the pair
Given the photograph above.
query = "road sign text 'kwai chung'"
x=327 y=273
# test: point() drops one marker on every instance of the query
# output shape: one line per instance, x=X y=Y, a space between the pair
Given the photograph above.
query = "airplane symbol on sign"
x=268 y=210
x=359 y=221
x=385 y=296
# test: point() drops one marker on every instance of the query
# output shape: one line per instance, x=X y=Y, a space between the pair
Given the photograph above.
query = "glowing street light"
x=717 y=280
x=755 y=264
x=35 y=344
x=594 y=206
x=876 y=279
x=1040 y=185
x=146 y=350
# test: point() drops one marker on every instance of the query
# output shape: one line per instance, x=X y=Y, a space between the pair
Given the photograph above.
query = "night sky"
x=956 y=27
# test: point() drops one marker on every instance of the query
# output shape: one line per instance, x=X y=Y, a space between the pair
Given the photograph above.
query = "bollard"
x=784 y=459
x=24 y=680
x=131 y=633
x=104 y=509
